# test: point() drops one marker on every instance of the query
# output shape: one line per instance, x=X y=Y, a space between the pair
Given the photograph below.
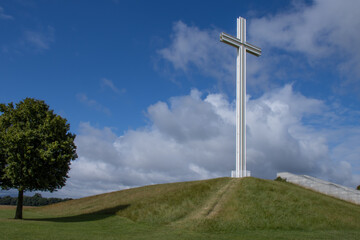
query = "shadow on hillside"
x=94 y=216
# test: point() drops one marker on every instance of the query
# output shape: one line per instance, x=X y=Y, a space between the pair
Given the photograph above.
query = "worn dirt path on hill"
x=221 y=198
x=213 y=204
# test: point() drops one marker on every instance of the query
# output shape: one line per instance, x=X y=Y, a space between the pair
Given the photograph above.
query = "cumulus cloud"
x=200 y=48
x=320 y=30
x=194 y=49
x=276 y=133
x=323 y=31
x=193 y=137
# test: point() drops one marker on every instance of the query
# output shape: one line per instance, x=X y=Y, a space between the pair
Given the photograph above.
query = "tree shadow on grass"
x=94 y=216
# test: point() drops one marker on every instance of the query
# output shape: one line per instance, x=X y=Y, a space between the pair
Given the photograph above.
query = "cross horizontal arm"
x=235 y=42
x=254 y=50
x=226 y=38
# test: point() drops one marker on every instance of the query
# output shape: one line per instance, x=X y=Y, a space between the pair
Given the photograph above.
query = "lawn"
x=221 y=208
x=106 y=226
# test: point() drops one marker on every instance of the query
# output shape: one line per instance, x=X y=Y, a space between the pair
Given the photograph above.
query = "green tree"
x=36 y=148
x=358 y=187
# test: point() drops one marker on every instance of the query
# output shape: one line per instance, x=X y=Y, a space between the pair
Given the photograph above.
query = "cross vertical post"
x=241 y=100
x=242 y=47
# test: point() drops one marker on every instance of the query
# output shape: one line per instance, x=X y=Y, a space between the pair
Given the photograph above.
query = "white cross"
x=242 y=47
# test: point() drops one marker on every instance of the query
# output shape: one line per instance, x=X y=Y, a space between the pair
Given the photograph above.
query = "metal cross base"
x=244 y=174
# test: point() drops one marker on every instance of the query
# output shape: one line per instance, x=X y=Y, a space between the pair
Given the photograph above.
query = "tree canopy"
x=36 y=148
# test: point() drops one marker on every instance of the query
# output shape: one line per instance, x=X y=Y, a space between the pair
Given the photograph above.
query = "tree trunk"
x=19 y=207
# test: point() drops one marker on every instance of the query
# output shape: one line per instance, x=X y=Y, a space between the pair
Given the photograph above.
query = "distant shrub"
x=36 y=200
x=280 y=179
x=358 y=188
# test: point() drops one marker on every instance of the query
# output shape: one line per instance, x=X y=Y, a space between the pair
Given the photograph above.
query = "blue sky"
x=149 y=89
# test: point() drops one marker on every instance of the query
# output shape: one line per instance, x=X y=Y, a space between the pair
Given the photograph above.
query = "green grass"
x=222 y=208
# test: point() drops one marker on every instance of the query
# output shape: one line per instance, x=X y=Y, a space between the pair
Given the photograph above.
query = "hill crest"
x=221 y=204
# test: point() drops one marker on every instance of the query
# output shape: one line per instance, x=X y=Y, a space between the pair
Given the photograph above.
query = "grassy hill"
x=236 y=208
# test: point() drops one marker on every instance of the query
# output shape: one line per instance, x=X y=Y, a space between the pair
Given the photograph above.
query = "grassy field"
x=222 y=208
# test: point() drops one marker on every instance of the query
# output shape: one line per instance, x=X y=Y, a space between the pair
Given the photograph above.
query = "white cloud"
x=192 y=47
x=31 y=41
x=5 y=16
x=326 y=28
x=93 y=103
x=276 y=134
x=192 y=137
x=39 y=40
x=323 y=32
x=106 y=83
